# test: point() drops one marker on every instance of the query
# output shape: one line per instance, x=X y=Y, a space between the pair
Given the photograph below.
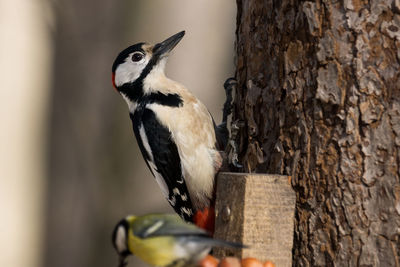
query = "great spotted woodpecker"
x=174 y=130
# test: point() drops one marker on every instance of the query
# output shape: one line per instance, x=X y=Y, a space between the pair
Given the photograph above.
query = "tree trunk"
x=319 y=91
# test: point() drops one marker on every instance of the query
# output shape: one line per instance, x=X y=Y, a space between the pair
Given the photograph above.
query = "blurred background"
x=69 y=163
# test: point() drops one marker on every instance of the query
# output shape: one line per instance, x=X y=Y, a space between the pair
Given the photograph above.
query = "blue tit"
x=163 y=240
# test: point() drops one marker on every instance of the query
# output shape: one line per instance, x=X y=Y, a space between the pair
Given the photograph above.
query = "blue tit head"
x=120 y=240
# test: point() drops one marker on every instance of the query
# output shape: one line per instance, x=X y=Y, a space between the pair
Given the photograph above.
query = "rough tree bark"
x=319 y=91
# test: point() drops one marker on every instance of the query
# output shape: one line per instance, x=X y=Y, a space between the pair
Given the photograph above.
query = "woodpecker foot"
x=233 y=155
x=205 y=219
x=222 y=129
x=229 y=85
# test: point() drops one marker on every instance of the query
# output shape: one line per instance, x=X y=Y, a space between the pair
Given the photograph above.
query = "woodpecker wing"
x=162 y=156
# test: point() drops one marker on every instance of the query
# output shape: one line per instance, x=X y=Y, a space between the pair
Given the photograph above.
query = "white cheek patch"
x=120 y=240
x=129 y=71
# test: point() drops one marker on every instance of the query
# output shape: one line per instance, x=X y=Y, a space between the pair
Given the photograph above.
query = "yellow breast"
x=157 y=251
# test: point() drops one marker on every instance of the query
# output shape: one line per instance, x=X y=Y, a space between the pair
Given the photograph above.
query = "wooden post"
x=256 y=210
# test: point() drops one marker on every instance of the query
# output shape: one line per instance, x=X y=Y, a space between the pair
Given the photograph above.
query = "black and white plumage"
x=174 y=130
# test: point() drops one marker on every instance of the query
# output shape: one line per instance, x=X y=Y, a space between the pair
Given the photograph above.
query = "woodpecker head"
x=136 y=62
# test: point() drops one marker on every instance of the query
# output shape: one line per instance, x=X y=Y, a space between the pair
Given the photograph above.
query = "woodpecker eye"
x=137 y=56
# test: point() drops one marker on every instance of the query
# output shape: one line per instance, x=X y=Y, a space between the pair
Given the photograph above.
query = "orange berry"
x=251 y=262
x=269 y=264
x=229 y=262
x=209 y=261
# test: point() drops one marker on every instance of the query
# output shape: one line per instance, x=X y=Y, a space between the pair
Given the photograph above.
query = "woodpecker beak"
x=163 y=48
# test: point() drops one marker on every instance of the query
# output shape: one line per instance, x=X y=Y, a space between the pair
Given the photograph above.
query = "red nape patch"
x=205 y=219
x=113 y=81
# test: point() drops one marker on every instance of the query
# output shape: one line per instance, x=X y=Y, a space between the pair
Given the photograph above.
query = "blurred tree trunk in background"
x=88 y=155
x=319 y=91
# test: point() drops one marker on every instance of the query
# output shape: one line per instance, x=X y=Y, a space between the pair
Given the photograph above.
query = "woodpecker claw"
x=233 y=155
x=222 y=129
x=229 y=85
x=233 y=158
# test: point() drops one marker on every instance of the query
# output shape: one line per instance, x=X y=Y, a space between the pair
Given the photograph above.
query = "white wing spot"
x=172 y=201
x=184 y=197
x=154 y=228
x=176 y=191
x=187 y=211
